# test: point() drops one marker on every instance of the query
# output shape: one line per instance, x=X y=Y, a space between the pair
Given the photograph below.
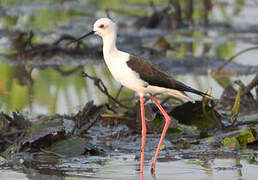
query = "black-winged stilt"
x=138 y=75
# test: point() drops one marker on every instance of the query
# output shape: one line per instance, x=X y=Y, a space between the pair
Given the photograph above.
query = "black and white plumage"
x=155 y=77
x=138 y=75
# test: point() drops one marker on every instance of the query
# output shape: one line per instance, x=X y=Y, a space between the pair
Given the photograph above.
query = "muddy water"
x=43 y=89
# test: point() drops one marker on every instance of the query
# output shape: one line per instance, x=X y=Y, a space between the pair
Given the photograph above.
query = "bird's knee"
x=168 y=119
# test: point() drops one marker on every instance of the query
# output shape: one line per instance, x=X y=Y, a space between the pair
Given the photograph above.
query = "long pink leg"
x=143 y=132
x=167 y=118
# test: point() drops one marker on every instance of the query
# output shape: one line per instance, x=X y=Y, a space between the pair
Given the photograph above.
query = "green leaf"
x=162 y=147
x=195 y=162
x=157 y=121
x=245 y=137
x=230 y=142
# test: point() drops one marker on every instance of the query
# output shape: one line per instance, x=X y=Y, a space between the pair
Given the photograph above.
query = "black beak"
x=84 y=36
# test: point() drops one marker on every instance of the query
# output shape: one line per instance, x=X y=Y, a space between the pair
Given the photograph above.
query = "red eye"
x=101 y=26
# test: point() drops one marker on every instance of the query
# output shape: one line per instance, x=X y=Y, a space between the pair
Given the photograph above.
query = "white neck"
x=109 y=44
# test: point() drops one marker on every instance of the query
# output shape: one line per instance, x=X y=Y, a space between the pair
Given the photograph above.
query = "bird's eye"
x=101 y=26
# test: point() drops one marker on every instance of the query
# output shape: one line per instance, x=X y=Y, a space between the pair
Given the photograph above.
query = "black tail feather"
x=198 y=92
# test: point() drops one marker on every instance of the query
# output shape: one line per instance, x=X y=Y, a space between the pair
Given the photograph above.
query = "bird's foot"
x=153 y=169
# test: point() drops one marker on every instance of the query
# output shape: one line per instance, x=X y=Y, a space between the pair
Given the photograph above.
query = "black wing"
x=155 y=77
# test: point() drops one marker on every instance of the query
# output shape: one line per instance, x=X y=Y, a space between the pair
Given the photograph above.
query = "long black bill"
x=84 y=36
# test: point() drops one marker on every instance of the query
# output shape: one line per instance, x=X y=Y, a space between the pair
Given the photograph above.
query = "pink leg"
x=167 y=118
x=143 y=132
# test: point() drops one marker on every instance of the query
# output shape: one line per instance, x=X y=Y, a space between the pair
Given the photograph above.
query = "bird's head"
x=102 y=27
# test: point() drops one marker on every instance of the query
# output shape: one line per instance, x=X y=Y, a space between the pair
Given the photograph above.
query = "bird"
x=140 y=76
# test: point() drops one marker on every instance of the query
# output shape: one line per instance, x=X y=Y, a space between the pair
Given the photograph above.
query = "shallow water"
x=40 y=88
x=43 y=89
x=126 y=167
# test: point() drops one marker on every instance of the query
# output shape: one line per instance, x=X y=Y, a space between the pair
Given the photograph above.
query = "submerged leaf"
x=72 y=146
x=196 y=162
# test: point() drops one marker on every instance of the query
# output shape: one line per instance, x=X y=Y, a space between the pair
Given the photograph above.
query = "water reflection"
x=126 y=167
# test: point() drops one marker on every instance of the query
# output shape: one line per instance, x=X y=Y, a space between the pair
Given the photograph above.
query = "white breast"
x=116 y=63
